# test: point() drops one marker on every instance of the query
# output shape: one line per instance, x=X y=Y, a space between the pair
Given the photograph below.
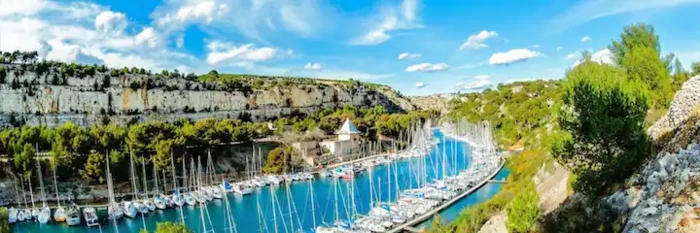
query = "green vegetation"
x=80 y=151
x=524 y=209
x=4 y=224
x=520 y=111
x=279 y=160
x=605 y=122
x=594 y=121
x=171 y=227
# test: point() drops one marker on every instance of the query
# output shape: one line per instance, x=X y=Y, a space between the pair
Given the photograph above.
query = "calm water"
x=289 y=216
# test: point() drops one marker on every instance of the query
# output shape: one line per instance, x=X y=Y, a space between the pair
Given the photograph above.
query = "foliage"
x=25 y=161
x=279 y=160
x=695 y=69
x=524 y=209
x=605 y=119
x=172 y=227
x=4 y=224
x=519 y=111
x=638 y=53
x=93 y=169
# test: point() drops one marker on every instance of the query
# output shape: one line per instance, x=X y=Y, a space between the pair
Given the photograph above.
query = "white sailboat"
x=115 y=211
x=131 y=208
x=73 y=215
x=60 y=214
x=157 y=199
x=45 y=213
x=146 y=201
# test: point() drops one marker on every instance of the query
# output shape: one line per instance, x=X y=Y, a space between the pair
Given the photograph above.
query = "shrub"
x=524 y=209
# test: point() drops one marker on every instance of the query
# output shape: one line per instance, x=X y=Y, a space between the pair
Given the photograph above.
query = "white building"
x=348 y=138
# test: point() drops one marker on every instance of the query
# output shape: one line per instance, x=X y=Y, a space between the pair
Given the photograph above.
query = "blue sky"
x=417 y=47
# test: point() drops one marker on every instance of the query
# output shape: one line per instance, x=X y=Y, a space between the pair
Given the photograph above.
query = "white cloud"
x=427 y=67
x=603 y=56
x=560 y=48
x=252 y=18
x=513 y=56
x=111 y=22
x=535 y=46
x=390 y=20
x=342 y=74
x=585 y=38
x=571 y=56
x=222 y=51
x=482 y=76
x=479 y=82
x=476 y=41
x=21 y=7
x=421 y=84
x=408 y=56
x=147 y=37
x=312 y=66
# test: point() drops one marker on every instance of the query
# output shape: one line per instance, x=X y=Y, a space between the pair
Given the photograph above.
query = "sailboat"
x=60 y=214
x=90 y=214
x=45 y=214
x=146 y=201
x=131 y=208
x=157 y=199
x=115 y=211
x=12 y=215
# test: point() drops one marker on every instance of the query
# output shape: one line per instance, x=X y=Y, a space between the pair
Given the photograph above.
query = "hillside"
x=50 y=93
x=438 y=102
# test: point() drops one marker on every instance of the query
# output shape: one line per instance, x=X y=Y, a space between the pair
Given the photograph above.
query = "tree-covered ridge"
x=518 y=111
x=20 y=61
x=79 y=151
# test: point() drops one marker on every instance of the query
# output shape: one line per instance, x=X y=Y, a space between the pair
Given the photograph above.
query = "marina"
x=386 y=188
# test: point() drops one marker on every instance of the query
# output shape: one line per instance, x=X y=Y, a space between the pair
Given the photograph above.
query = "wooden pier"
x=408 y=226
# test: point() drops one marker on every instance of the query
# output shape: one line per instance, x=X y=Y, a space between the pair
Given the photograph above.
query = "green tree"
x=695 y=69
x=604 y=118
x=94 y=168
x=638 y=52
x=277 y=160
x=524 y=209
x=4 y=224
x=25 y=161
x=171 y=227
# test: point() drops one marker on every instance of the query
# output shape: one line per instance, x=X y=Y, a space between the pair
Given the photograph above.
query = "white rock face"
x=84 y=100
x=667 y=193
x=683 y=103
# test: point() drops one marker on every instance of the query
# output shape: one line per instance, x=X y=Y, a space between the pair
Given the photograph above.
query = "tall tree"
x=604 y=117
x=638 y=52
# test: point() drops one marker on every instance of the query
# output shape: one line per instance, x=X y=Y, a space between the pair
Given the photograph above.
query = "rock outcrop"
x=50 y=97
x=433 y=102
x=683 y=103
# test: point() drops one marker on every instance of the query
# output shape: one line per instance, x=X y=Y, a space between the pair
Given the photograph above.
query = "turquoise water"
x=299 y=213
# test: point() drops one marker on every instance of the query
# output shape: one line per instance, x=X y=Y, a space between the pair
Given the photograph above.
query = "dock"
x=408 y=226
x=501 y=181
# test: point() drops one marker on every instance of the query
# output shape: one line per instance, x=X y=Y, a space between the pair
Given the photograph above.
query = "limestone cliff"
x=50 y=96
x=433 y=102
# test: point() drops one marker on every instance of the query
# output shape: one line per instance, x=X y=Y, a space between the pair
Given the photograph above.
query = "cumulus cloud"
x=421 y=84
x=391 y=19
x=535 y=46
x=476 y=41
x=427 y=67
x=559 y=48
x=513 y=56
x=180 y=42
x=585 y=38
x=312 y=66
x=408 y=56
x=223 y=51
x=603 y=56
x=111 y=22
x=571 y=56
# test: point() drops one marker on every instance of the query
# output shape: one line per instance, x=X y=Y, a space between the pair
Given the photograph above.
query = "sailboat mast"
x=55 y=183
x=143 y=171
x=175 y=188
